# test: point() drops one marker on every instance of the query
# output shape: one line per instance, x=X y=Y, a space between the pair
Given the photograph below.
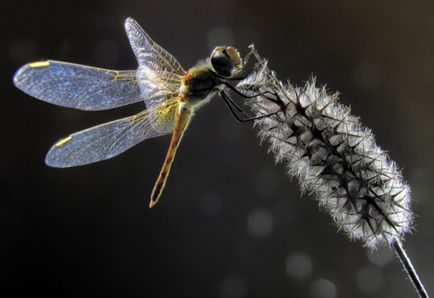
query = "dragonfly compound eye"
x=226 y=61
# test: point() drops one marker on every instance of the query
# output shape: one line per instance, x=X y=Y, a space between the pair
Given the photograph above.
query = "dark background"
x=230 y=223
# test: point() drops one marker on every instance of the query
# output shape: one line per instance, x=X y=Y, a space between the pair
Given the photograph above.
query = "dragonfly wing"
x=159 y=73
x=148 y=52
x=110 y=139
x=78 y=86
x=156 y=86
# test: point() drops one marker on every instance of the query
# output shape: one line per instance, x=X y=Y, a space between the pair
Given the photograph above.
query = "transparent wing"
x=112 y=138
x=148 y=52
x=159 y=73
x=78 y=86
x=156 y=86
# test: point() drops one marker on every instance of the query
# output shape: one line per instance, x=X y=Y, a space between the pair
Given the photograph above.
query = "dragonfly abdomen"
x=182 y=119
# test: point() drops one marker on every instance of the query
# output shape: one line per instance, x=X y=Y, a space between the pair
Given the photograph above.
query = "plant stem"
x=409 y=269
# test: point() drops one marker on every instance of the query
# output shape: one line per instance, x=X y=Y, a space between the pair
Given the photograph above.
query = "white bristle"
x=333 y=156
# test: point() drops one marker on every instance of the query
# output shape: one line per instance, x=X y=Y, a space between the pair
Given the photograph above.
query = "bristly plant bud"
x=333 y=156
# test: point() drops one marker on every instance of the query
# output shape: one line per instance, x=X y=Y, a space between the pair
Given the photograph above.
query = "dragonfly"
x=171 y=94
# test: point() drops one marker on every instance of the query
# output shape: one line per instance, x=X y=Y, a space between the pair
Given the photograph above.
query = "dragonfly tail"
x=182 y=119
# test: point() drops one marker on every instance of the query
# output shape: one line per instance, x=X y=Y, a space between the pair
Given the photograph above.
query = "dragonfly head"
x=226 y=61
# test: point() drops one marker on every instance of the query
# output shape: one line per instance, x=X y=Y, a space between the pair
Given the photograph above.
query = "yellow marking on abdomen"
x=63 y=141
x=39 y=64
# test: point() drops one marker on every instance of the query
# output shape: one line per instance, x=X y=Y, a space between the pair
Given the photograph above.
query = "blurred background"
x=230 y=223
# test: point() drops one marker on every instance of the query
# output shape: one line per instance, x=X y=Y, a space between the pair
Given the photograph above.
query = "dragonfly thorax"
x=199 y=82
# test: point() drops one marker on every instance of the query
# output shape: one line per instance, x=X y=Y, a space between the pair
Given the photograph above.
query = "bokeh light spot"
x=323 y=288
x=299 y=265
x=260 y=223
x=381 y=256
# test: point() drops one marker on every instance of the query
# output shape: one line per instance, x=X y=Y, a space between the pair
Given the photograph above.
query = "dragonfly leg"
x=267 y=94
x=231 y=104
